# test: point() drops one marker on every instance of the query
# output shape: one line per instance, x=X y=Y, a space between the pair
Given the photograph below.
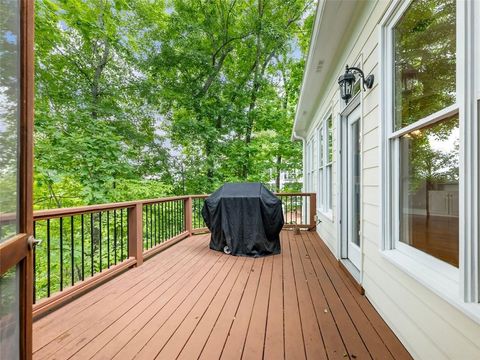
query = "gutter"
x=296 y=137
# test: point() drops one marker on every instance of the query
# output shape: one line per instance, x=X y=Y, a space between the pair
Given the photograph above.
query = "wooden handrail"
x=78 y=210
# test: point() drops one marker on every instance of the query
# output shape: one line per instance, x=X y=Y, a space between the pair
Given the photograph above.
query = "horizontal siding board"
x=418 y=344
x=459 y=322
x=423 y=314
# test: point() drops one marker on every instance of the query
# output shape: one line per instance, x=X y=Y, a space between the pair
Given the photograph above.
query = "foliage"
x=148 y=98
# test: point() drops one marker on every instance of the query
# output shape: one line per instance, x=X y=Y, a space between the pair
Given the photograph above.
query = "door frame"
x=342 y=230
x=17 y=250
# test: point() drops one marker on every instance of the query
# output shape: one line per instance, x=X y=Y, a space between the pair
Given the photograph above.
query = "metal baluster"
x=61 y=253
x=146 y=225
x=171 y=218
x=167 y=219
x=108 y=239
x=291 y=209
x=91 y=245
x=72 y=251
x=181 y=204
x=295 y=209
x=83 y=248
x=151 y=227
x=128 y=232
x=100 y=240
x=115 y=234
x=163 y=221
x=175 y=218
x=48 y=257
x=159 y=221
x=121 y=235
x=154 y=211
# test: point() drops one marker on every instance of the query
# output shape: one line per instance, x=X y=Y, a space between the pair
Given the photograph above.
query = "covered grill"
x=244 y=219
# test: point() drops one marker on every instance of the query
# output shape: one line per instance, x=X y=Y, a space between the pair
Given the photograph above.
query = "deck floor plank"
x=378 y=325
x=293 y=336
x=195 y=344
x=199 y=298
x=106 y=314
x=190 y=302
x=274 y=344
x=182 y=292
x=236 y=336
x=134 y=319
x=185 y=330
x=255 y=340
x=101 y=297
x=332 y=338
x=314 y=345
x=216 y=341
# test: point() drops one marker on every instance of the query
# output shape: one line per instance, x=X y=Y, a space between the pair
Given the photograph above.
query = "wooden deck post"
x=135 y=233
x=313 y=212
x=188 y=215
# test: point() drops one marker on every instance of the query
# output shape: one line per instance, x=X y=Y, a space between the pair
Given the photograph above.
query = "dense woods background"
x=145 y=98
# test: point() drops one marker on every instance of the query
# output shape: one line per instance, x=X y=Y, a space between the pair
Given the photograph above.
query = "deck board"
x=189 y=302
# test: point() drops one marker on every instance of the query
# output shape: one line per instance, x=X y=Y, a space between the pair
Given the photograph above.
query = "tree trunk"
x=278 y=172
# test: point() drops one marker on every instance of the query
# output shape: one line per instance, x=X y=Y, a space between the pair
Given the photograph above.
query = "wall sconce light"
x=347 y=80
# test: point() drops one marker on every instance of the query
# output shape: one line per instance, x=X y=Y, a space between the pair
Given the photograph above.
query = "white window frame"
x=325 y=186
x=308 y=181
x=461 y=286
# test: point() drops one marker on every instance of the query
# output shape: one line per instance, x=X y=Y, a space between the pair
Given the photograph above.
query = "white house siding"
x=428 y=326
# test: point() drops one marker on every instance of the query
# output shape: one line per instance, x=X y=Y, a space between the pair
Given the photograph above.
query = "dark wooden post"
x=188 y=215
x=135 y=233
x=313 y=211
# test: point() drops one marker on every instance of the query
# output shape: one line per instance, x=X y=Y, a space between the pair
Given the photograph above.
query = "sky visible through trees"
x=147 y=98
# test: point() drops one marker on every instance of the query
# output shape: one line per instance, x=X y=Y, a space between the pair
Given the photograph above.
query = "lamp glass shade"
x=346 y=85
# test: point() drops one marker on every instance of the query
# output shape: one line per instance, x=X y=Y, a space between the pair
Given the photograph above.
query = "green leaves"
x=145 y=98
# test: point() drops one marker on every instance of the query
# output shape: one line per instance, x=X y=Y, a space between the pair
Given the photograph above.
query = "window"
x=325 y=161
x=429 y=155
x=425 y=128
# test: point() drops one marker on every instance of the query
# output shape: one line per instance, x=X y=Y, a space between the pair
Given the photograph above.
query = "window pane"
x=320 y=190
x=321 y=146
x=9 y=114
x=424 y=46
x=429 y=189
x=330 y=140
x=9 y=315
x=329 y=187
x=355 y=179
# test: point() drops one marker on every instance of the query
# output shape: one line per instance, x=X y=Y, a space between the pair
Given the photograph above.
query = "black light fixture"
x=347 y=80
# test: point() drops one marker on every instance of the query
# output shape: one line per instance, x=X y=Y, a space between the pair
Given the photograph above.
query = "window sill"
x=436 y=281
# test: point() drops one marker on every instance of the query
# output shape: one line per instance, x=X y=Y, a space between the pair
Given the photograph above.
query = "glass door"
x=16 y=111
x=353 y=187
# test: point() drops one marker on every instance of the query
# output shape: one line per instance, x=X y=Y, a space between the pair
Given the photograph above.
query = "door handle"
x=32 y=242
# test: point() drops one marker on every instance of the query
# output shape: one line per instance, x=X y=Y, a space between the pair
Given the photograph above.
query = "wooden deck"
x=190 y=302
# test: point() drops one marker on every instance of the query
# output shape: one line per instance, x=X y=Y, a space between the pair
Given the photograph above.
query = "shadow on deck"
x=190 y=302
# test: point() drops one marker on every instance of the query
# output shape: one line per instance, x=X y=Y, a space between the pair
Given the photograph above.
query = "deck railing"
x=84 y=246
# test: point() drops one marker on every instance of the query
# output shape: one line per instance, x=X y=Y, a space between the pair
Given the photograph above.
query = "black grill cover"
x=246 y=217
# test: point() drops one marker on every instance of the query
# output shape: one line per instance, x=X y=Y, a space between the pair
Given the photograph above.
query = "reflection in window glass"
x=429 y=189
x=9 y=315
x=355 y=180
x=424 y=50
x=9 y=114
x=329 y=150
